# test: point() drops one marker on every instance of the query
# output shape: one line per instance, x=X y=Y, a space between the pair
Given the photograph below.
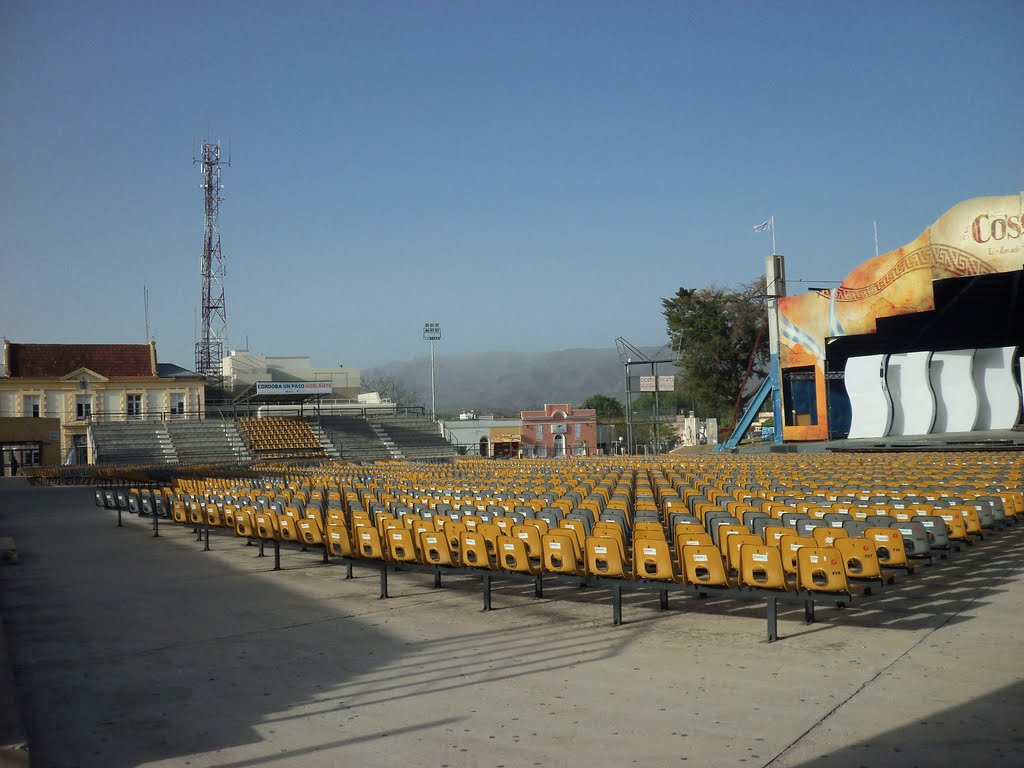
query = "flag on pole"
x=764 y=227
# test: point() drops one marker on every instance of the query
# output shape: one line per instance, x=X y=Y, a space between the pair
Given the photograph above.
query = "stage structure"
x=922 y=340
x=653 y=383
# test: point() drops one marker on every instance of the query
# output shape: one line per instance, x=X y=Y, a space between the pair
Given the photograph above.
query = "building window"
x=133 y=408
x=83 y=407
x=30 y=406
x=579 y=431
x=540 y=431
x=177 y=405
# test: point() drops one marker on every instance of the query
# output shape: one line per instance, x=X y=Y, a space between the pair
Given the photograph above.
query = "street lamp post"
x=432 y=333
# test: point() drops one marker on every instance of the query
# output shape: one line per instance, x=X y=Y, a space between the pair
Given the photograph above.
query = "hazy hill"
x=508 y=382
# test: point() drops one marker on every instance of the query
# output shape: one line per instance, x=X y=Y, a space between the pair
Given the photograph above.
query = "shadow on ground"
x=990 y=727
x=130 y=650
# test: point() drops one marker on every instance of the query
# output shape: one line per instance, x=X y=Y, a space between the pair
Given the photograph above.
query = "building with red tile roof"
x=58 y=360
x=83 y=383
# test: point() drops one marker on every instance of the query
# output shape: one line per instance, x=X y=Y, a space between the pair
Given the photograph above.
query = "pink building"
x=559 y=430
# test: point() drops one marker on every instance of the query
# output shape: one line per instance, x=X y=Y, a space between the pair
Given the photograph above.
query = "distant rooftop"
x=58 y=360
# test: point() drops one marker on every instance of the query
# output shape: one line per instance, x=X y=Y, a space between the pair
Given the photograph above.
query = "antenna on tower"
x=145 y=304
x=212 y=268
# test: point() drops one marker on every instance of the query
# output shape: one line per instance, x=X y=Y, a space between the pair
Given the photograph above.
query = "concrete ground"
x=133 y=651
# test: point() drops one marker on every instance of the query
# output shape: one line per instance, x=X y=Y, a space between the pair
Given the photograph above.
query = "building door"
x=559 y=445
x=483 y=447
x=79 y=449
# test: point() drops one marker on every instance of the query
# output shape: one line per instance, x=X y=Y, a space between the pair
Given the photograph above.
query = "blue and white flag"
x=764 y=227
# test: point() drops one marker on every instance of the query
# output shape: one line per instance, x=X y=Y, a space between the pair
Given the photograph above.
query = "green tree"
x=715 y=329
x=607 y=408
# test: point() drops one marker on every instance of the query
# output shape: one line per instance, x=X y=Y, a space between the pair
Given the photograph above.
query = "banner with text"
x=293 y=387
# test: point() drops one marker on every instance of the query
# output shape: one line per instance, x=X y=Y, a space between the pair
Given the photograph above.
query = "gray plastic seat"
x=856 y=528
x=996 y=505
x=935 y=527
x=985 y=515
x=693 y=501
x=792 y=519
x=836 y=519
x=585 y=516
x=618 y=517
x=804 y=527
x=681 y=517
x=915 y=538
x=516 y=517
x=715 y=525
x=528 y=513
x=749 y=518
x=880 y=521
x=758 y=524
x=710 y=517
x=551 y=515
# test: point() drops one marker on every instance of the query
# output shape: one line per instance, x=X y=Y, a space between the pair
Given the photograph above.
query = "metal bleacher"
x=211 y=440
x=168 y=442
x=354 y=438
x=133 y=441
x=417 y=437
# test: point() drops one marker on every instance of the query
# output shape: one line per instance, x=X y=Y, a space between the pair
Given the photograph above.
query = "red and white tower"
x=212 y=268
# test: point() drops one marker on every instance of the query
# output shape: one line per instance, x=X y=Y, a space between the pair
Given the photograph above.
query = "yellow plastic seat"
x=368 y=543
x=561 y=554
x=402 y=546
x=309 y=530
x=760 y=566
x=702 y=564
x=860 y=560
x=337 y=541
x=604 y=557
x=826 y=536
x=513 y=557
x=820 y=569
x=474 y=552
x=888 y=546
x=652 y=560
x=434 y=548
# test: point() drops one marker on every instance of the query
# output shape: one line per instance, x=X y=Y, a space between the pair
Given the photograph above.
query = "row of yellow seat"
x=275 y=434
x=462 y=518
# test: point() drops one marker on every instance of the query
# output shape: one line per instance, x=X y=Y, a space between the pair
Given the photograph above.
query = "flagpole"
x=773 y=237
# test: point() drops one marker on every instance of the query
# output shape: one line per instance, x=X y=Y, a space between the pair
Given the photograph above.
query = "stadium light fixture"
x=432 y=333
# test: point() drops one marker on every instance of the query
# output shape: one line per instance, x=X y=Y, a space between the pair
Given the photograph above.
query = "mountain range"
x=506 y=383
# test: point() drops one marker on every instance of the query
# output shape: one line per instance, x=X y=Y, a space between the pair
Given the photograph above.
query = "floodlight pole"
x=432 y=333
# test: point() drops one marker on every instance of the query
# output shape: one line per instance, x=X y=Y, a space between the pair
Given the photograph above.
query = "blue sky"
x=532 y=175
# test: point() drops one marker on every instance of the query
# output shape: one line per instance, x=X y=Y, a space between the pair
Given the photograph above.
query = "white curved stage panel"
x=956 y=399
x=910 y=391
x=871 y=409
x=998 y=397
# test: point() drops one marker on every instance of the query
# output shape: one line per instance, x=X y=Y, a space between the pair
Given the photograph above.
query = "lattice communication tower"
x=212 y=268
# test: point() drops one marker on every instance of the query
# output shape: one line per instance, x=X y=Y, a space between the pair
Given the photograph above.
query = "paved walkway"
x=134 y=651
